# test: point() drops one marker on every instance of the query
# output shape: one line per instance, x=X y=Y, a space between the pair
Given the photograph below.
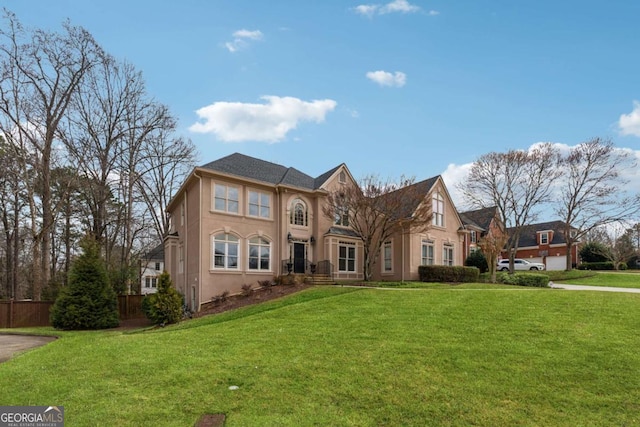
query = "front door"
x=298 y=257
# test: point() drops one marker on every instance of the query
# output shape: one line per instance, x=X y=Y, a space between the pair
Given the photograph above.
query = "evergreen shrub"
x=448 y=274
x=165 y=306
x=88 y=301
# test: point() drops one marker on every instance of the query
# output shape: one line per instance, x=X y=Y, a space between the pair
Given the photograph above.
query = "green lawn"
x=360 y=357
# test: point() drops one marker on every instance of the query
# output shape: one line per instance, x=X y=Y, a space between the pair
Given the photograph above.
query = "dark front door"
x=298 y=258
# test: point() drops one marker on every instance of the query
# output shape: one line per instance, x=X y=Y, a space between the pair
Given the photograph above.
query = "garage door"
x=556 y=263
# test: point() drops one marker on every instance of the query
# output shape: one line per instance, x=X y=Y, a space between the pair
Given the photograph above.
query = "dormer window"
x=544 y=238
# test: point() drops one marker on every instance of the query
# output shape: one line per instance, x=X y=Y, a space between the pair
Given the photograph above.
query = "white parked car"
x=519 y=264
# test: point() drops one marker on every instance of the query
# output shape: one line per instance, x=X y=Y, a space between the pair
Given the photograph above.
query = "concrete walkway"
x=592 y=288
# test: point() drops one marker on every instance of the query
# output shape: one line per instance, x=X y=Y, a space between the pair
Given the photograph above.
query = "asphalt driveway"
x=10 y=344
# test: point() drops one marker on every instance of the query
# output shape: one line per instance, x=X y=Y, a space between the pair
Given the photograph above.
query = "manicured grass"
x=359 y=357
x=432 y=285
x=612 y=279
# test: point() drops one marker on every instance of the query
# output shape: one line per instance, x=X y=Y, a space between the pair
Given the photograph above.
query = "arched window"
x=299 y=215
x=225 y=251
x=259 y=254
x=438 y=210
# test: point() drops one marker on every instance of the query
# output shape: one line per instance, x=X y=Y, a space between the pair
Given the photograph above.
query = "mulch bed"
x=257 y=296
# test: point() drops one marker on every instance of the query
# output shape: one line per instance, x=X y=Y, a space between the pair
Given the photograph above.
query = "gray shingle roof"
x=529 y=235
x=480 y=218
x=338 y=231
x=407 y=209
x=261 y=170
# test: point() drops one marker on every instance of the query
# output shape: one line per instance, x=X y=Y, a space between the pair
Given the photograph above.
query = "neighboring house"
x=239 y=220
x=477 y=224
x=152 y=265
x=545 y=243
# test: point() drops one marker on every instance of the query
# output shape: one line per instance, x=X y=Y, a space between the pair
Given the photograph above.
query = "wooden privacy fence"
x=24 y=314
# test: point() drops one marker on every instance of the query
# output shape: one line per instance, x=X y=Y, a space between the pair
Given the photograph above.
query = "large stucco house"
x=239 y=220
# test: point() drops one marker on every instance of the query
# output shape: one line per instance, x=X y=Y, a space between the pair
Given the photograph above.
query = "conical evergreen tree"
x=165 y=306
x=88 y=302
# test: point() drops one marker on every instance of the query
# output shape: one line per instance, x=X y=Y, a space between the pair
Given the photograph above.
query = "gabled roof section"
x=325 y=176
x=260 y=170
x=155 y=253
x=480 y=218
x=422 y=187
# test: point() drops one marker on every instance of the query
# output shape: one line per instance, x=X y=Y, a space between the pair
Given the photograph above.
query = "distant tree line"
x=85 y=150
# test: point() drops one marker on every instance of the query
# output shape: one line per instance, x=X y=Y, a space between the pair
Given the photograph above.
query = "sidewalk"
x=592 y=288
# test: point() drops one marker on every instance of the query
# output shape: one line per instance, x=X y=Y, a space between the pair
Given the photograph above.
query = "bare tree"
x=12 y=204
x=591 y=192
x=39 y=71
x=376 y=209
x=620 y=245
x=517 y=183
x=166 y=163
x=492 y=244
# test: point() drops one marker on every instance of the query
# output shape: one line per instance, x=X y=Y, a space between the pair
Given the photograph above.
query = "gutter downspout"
x=199 y=275
x=403 y=258
x=278 y=231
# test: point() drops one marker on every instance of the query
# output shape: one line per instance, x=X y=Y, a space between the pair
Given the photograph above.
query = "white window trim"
x=226 y=255
x=448 y=250
x=348 y=245
x=385 y=245
x=259 y=205
x=226 y=198
x=546 y=235
x=305 y=212
x=270 y=245
x=438 y=210
x=429 y=244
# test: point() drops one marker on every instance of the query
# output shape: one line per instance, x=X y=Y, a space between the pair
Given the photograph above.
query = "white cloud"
x=385 y=78
x=241 y=39
x=402 y=6
x=395 y=6
x=629 y=124
x=454 y=175
x=269 y=122
x=434 y=13
x=367 y=9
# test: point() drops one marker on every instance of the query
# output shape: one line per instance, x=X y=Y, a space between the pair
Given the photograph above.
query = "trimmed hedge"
x=448 y=274
x=606 y=265
x=535 y=280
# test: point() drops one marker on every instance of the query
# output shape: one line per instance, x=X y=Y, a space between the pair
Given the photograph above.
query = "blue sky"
x=415 y=88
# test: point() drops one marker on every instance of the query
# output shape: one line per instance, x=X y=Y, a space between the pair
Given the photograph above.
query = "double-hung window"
x=346 y=257
x=342 y=216
x=226 y=251
x=387 y=253
x=544 y=238
x=259 y=204
x=447 y=255
x=226 y=198
x=259 y=254
x=427 y=252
